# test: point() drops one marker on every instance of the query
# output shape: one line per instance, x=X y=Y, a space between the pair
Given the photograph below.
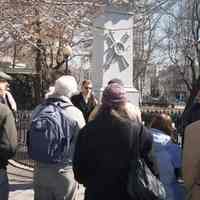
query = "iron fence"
x=23 y=121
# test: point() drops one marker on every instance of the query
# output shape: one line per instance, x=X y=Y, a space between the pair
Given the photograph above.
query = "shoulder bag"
x=142 y=183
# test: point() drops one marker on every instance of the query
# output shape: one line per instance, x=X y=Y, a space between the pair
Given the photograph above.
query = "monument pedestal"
x=112 y=55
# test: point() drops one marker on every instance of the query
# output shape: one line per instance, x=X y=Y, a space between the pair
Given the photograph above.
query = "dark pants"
x=4 y=188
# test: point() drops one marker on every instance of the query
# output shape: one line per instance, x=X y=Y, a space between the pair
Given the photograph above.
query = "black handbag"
x=142 y=183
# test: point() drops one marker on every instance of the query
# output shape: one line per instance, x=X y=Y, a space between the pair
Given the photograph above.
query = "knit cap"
x=65 y=86
x=114 y=95
x=116 y=80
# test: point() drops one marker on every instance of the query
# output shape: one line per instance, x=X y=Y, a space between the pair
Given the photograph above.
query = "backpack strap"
x=60 y=105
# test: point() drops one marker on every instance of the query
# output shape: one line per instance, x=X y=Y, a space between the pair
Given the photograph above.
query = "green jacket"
x=8 y=135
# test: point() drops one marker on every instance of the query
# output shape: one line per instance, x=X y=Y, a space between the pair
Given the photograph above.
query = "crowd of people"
x=78 y=142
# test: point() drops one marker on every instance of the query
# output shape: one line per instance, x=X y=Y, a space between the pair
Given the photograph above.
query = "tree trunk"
x=37 y=80
x=37 y=89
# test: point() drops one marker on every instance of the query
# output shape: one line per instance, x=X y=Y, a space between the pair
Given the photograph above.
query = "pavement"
x=21 y=182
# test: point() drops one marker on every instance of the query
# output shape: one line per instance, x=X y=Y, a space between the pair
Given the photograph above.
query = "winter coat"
x=102 y=156
x=193 y=114
x=168 y=157
x=80 y=103
x=8 y=135
x=191 y=160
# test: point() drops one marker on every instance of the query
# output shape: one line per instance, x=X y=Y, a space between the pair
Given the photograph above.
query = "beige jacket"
x=191 y=160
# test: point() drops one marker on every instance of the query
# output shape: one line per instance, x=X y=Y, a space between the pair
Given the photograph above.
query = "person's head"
x=65 y=86
x=114 y=95
x=114 y=101
x=4 y=78
x=86 y=87
x=116 y=80
x=162 y=122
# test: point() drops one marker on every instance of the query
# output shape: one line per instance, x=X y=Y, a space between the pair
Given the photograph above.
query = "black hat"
x=4 y=76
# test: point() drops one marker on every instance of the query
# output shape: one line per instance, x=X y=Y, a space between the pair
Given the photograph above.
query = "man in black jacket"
x=85 y=100
x=8 y=144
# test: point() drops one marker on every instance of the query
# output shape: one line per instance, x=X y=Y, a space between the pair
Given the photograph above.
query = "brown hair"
x=86 y=81
x=162 y=122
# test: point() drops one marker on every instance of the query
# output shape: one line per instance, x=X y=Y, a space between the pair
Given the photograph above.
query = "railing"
x=149 y=111
x=23 y=121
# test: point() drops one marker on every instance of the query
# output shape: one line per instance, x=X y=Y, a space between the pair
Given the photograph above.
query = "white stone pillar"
x=112 y=55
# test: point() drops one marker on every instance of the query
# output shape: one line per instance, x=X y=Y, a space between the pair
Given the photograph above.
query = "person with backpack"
x=8 y=145
x=103 y=149
x=51 y=140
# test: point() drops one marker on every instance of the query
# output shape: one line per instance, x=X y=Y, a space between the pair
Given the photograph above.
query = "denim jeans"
x=54 y=183
x=4 y=188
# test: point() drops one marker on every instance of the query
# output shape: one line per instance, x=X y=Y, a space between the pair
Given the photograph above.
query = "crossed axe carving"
x=116 y=51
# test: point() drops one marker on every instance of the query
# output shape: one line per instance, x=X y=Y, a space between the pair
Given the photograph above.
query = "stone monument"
x=112 y=55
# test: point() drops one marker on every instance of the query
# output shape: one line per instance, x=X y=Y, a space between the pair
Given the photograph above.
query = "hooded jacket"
x=168 y=157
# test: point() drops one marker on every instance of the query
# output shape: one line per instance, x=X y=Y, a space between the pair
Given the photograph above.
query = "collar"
x=63 y=98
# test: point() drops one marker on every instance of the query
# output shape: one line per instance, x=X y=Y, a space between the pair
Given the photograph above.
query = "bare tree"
x=36 y=32
x=147 y=43
x=184 y=49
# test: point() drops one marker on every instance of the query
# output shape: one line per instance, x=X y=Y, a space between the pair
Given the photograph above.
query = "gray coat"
x=8 y=135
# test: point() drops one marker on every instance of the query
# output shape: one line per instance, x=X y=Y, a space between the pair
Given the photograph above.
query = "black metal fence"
x=148 y=112
x=23 y=121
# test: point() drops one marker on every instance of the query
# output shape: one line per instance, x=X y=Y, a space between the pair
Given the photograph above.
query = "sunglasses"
x=88 y=88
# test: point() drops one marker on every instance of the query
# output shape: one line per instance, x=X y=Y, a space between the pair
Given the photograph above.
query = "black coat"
x=193 y=114
x=80 y=103
x=102 y=156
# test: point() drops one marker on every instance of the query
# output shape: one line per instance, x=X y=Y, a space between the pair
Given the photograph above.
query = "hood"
x=62 y=98
x=160 y=139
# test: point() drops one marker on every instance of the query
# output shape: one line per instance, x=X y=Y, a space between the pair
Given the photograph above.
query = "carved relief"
x=116 y=51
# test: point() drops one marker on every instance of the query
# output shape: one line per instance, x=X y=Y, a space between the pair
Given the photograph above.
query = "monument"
x=112 y=55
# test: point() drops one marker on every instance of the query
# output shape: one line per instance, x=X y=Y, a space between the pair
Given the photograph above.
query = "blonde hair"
x=127 y=110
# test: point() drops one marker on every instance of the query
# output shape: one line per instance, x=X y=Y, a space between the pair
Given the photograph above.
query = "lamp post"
x=67 y=51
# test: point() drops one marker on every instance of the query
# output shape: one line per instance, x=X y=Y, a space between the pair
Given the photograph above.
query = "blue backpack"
x=49 y=135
